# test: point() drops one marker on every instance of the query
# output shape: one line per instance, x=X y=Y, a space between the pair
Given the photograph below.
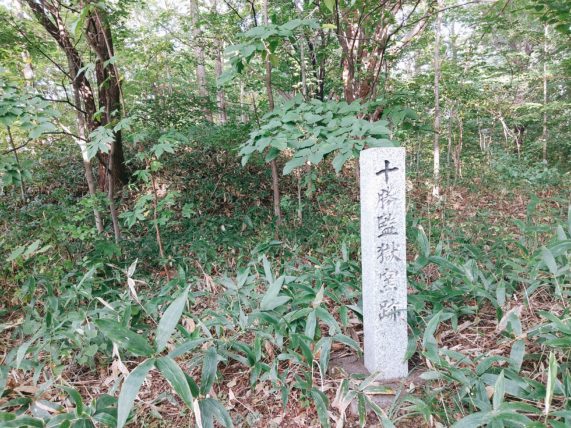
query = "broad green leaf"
x=325 y=347
x=130 y=389
x=176 y=377
x=132 y=342
x=40 y=129
x=186 y=347
x=329 y=4
x=516 y=355
x=328 y=319
x=270 y=303
x=499 y=392
x=549 y=261
x=23 y=348
x=209 y=367
x=322 y=406
x=76 y=398
x=105 y=419
x=346 y=340
x=474 y=420
x=211 y=409
x=292 y=164
x=23 y=421
x=340 y=160
x=310 y=324
x=551 y=379
x=170 y=319
x=385 y=421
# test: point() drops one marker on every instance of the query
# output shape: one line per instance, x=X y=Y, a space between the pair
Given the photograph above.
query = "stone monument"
x=383 y=250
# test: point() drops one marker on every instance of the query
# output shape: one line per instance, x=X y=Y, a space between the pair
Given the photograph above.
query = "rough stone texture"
x=383 y=250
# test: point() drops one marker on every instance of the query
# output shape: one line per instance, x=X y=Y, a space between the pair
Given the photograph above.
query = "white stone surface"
x=383 y=251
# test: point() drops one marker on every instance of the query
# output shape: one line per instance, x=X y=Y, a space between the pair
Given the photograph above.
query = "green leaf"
x=23 y=421
x=76 y=398
x=176 y=377
x=292 y=164
x=549 y=261
x=271 y=300
x=329 y=4
x=516 y=355
x=474 y=420
x=270 y=303
x=328 y=319
x=208 y=370
x=40 y=129
x=346 y=340
x=186 y=347
x=132 y=342
x=310 y=324
x=499 y=391
x=100 y=141
x=321 y=405
x=551 y=380
x=340 y=160
x=130 y=389
x=211 y=409
x=170 y=319
x=325 y=354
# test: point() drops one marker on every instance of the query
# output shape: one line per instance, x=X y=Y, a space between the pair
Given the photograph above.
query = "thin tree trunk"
x=82 y=143
x=458 y=150
x=436 y=145
x=544 y=135
x=303 y=72
x=243 y=114
x=28 y=70
x=155 y=218
x=15 y=150
x=111 y=197
x=274 y=167
x=449 y=151
x=220 y=95
x=199 y=53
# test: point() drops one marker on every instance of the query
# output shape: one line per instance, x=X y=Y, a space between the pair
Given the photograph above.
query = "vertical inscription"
x=388 y=247
x=383 y=249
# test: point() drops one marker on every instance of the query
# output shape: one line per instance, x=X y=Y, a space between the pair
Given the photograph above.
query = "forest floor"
x=481 y=222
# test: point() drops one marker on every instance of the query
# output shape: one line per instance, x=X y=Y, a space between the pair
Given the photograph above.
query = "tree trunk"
x=364 y=38
x=544 y=134
x=109 y=90
x=275 y=176
x=220 y=95
x=449 y=151
x=436 y=145
x=199 y=53
x=243 y=113
x=218 y=66
x=458 y=150
x=302 y=68
x=17 y=159
x=82 y=143
x=50 y=18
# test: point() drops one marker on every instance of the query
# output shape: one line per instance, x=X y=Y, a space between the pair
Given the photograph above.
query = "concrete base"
x=387 y=393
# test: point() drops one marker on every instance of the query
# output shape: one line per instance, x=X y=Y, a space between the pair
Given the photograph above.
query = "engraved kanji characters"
x=386 y=225
x=388 y=252
x=385 y=198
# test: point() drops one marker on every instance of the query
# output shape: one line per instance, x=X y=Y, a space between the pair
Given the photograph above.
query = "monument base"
x=392 y=389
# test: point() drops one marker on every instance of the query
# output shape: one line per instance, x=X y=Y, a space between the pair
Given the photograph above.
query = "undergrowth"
x=237 y=325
